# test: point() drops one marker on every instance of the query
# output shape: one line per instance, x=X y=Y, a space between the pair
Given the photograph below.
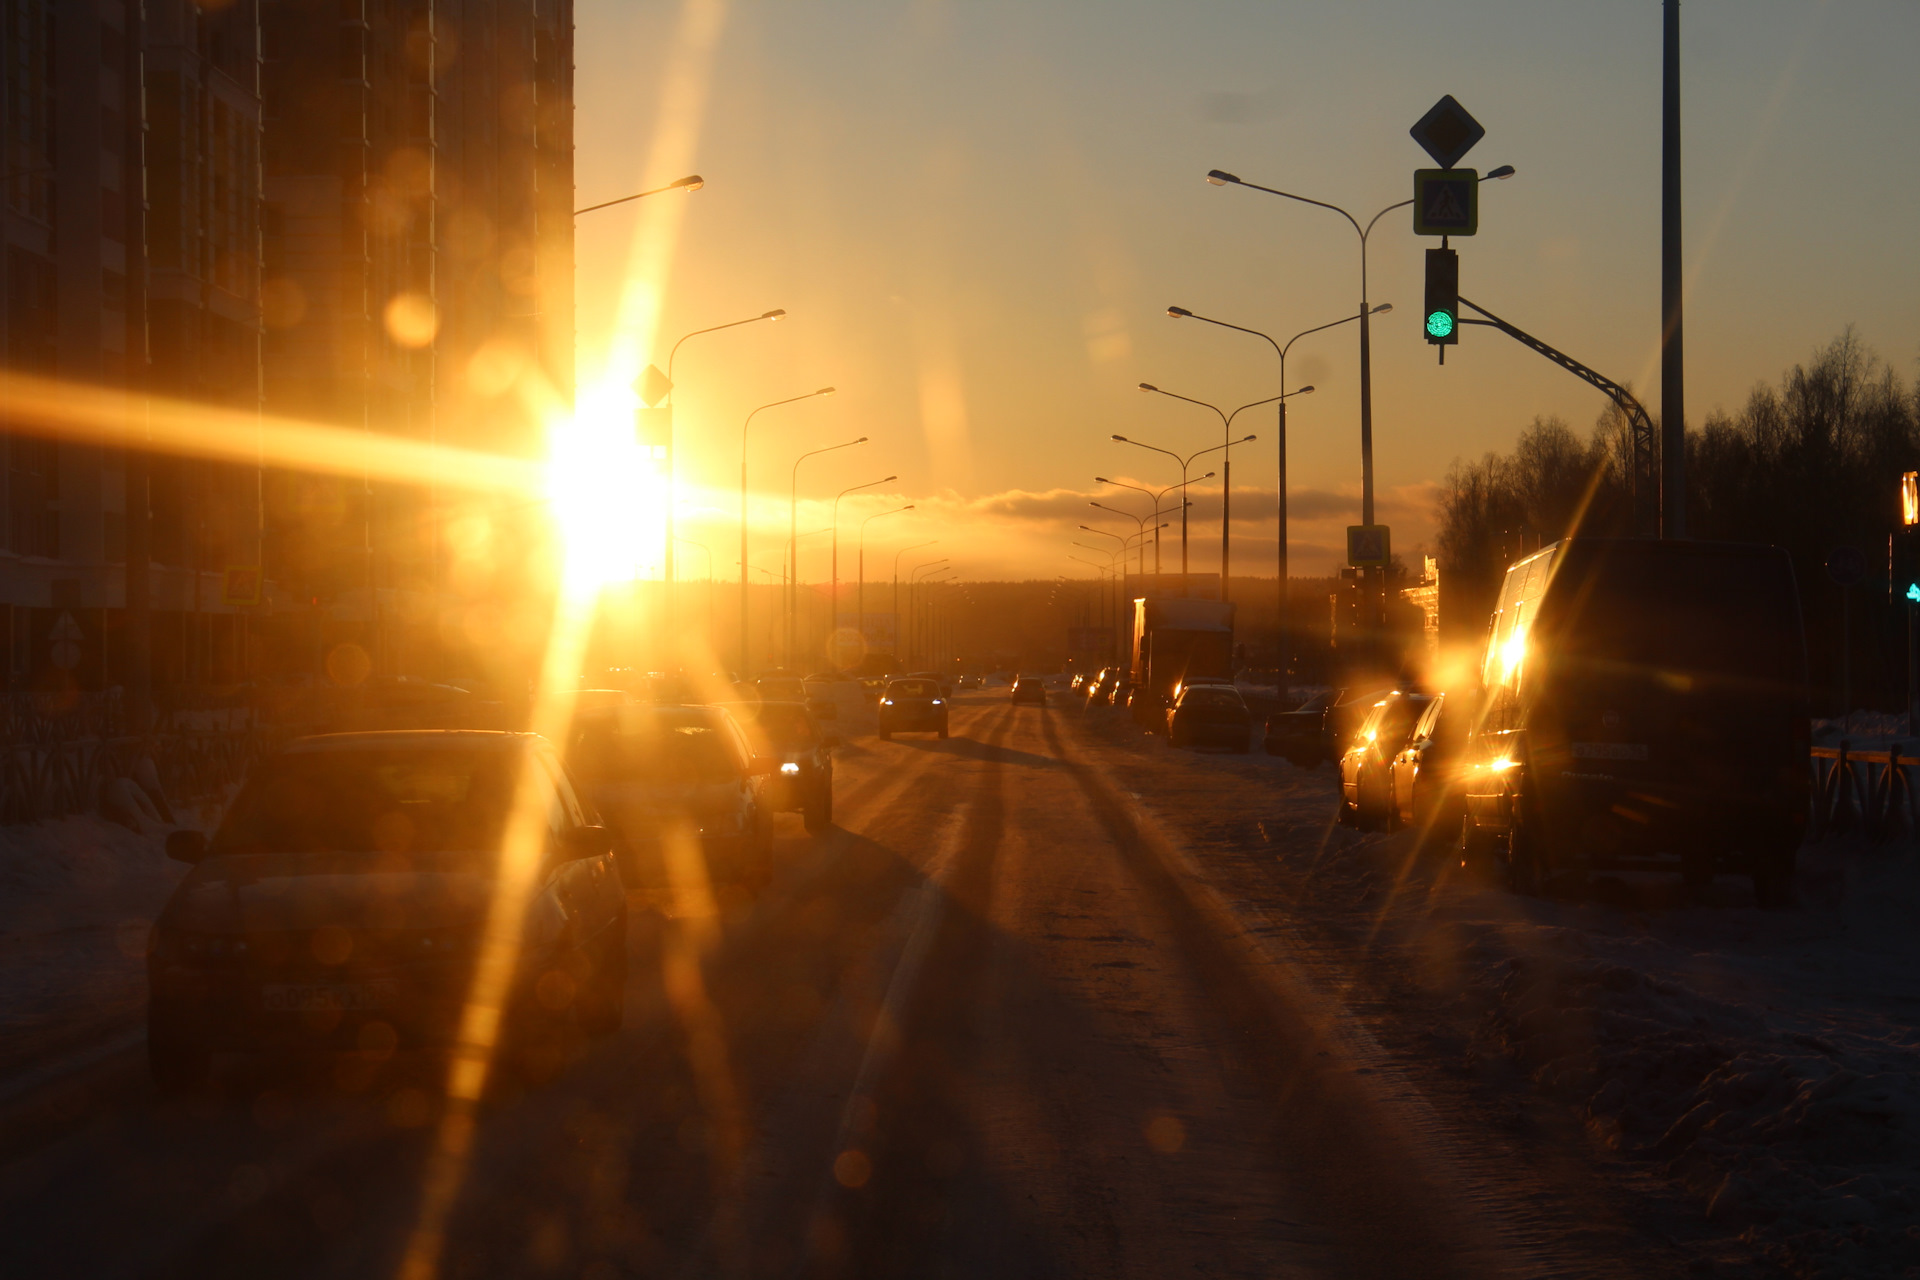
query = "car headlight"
x=789 y=768
x=936 y=702
x=886 y=702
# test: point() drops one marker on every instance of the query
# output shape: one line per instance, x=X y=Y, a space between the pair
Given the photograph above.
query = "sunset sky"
x=976 y=214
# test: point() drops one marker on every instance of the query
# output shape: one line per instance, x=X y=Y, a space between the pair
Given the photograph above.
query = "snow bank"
x=1774 y=1076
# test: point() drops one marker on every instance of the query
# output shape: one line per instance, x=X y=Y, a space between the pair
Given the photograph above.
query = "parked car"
x=1426 y=773
x=1121 y=692
x=347 y=894
x=1299 y=734
x=781 y=688
x=912 y=705
x=1028 y=689
x=788 y=733
x=656 y=773
x=1366 y=795
x=1098 y=686
x=1644 y=701
x=1209 y=715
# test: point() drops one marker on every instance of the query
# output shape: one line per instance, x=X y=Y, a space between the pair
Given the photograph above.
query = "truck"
x=1177 y=640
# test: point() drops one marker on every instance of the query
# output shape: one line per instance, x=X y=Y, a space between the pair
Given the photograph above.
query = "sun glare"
x=608 y=494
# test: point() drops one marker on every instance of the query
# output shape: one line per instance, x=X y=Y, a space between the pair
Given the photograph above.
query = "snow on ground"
x=77 y=896
x=1751 y=1078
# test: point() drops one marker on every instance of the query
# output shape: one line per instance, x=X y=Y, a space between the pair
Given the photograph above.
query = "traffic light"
x=1903 y=566
x=1443 y=297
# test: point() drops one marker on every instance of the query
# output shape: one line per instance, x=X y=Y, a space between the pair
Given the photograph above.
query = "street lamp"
x=744 y=578
x=1158 y=498
x=899 y=628
x=1226 y=467
x=1221 y=178
x=1139 y=521
x=913 y=575
x=914 y=583
x=673 y=461
x=1280 y=349
x=692 y=182
x=792 y=561
x=793 y=552
x=1184 y=464
x=860 y=592
x=833 y=600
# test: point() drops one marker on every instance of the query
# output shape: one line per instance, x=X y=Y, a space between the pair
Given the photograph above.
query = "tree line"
x=1811 y=465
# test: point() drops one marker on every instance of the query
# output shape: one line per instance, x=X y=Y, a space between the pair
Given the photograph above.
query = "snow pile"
x=1804 y=1144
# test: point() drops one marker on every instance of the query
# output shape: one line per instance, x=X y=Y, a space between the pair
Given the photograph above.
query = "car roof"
x=439 y=739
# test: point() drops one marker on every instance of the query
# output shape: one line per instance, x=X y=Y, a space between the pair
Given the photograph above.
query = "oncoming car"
x=912 y=705
x=345 y=901
x=787 y=732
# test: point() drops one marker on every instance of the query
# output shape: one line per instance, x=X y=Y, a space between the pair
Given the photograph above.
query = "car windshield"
x=782 y=724
x=913 y=689
x=363 y=801
x=1210 y=698
x=654 y=747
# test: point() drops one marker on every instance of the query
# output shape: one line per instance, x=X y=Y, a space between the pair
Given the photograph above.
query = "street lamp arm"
x=1255 y=405
x=823 y=391
x=1156 y=448
x=1218 y=447
x=1220 y=178
x=1383 y=213
x=776 y=314
x=1189 y=399
x=1331 y=324
x=1194 y=315
x=692 y=182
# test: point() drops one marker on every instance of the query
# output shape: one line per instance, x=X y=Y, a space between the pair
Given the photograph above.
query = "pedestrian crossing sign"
x=1446 y=202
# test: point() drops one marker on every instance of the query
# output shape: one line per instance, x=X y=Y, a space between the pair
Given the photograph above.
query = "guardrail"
x=1870 y=792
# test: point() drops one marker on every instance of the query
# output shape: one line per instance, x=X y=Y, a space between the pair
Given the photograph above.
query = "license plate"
x=303 y=997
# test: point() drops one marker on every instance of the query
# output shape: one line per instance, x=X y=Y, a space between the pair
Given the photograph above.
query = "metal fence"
x=1870 y=793
x=60 y=753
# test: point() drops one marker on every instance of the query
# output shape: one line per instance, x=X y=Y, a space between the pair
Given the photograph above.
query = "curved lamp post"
x=745 y=580
x=692 y=182
x=833 y=621
x=1280 y=350
x=793 y=550
x=1184 y=464
x=1158 y=498
x=860 y=593
x=673 y=462
x=1226 y=467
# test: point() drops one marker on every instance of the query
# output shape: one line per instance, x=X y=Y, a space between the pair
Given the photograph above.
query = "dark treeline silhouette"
x=1811 y=465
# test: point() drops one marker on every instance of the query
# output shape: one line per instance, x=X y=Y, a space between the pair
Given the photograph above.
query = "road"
x=1002 y=1021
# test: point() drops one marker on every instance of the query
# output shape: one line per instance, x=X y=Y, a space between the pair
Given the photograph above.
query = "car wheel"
x=178 y=1061
x=602 y=1006
x=819 y=813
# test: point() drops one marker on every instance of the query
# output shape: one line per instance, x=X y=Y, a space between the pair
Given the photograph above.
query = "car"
x=912 y=704
x=788 y=732
x=1425 y=776
x=352 y=888
x=1098 y=685
x=946 y=688
x=822 y=691
x=1078 y=682
x=781 y=688
x=1644 y=702
x=660 y=773
x=1121 y=692
x=1365 y=766
x=1209 y=715
x=1029 y=689
x=968 y=682
x=1300 y=734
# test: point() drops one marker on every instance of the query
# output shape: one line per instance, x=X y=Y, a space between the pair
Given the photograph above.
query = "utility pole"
x=1673 y=397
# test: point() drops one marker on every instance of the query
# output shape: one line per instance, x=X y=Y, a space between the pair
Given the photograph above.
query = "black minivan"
x=1643 y=701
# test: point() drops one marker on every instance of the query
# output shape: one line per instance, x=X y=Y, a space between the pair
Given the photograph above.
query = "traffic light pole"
x=1646 y=495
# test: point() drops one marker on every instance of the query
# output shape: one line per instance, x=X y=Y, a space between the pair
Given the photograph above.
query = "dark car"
x=357 y=881
x=1644 y=701
x=1426 y=773
x=1366 y=784
x=788 y=733
x=671 y=780
x=1120 y=693
x=1209 y=715
x=1300 y=734
x=912 y=705
x=1029 y=689
x=1099 y=686
x=781 y=688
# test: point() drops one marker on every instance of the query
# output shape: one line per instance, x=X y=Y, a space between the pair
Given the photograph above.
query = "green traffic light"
x=1439 y=324
x=1913 y=593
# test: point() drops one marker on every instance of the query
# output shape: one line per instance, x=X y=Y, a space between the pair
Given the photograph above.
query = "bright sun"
x=608 y=493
